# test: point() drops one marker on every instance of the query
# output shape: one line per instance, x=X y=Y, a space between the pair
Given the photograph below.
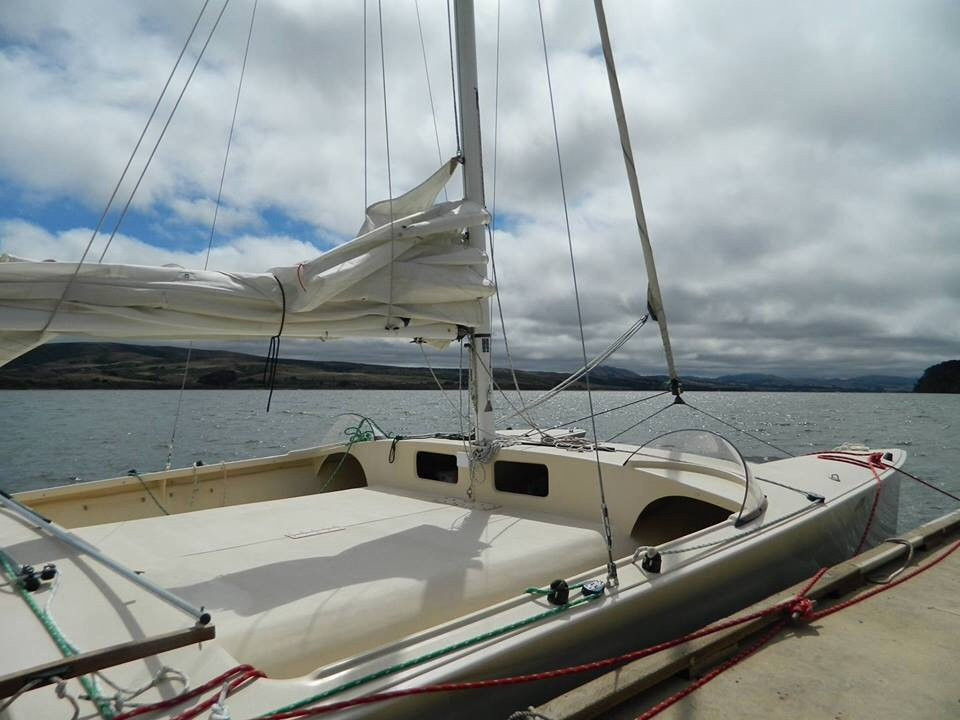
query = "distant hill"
x=861 y=383
x=941 y=378
x=117 y=366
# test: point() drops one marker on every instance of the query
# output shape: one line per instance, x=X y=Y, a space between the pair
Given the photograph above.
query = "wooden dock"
x=895 y=654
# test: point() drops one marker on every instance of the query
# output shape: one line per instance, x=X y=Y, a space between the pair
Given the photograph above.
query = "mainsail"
x=408 y=274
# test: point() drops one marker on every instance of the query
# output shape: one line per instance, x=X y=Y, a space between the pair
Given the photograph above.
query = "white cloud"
x=799 y=164
x=243 y=254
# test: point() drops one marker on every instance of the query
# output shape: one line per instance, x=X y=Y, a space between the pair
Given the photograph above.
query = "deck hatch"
x=521 y=478
x=437 y=466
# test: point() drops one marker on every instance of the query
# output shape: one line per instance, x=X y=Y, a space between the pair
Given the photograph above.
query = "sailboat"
x=276 y=586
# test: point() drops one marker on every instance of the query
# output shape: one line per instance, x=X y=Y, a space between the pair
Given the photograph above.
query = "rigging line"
x=386 y=131
x=213 y=225
x=116 y=188
x=176 y=415
x=610 y=410
x=517 y=411
x=365 y=201
x=453 y=82
x=611 y=565
x=596 y=361
x=433 y=110
x=163 y=131
x=493 y=215
x=637 y=424
x=435 y=378
x=233 y=124
x=741 y=430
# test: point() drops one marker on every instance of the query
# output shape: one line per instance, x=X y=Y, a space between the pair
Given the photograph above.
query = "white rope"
x=124 y=697
x=906 y=562
x=26 y=688
x=220 y=711
x=62 y=693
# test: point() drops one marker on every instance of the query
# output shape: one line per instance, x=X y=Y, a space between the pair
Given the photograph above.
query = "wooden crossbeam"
x=88 y=662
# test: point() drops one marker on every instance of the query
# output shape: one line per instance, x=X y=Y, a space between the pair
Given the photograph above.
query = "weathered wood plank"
x=89 y=662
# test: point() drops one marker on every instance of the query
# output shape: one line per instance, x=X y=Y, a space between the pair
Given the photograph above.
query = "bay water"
x=52 y=437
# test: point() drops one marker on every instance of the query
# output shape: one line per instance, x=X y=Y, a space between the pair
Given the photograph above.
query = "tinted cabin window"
x=437 y=466
x=522 y=478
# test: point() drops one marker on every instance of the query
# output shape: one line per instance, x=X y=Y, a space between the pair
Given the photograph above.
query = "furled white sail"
x=412 y=276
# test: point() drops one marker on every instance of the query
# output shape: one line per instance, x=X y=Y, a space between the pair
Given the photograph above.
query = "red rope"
x=882 y=588
x=872 y=462
x=217 y=682
x=674 y=699
x=799 y=607
x=873 y=512
x=807 y=614
x=793 y=607
x=234 y=685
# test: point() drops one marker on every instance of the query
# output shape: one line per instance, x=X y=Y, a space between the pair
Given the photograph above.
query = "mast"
x=468 y=96
x=654 y=300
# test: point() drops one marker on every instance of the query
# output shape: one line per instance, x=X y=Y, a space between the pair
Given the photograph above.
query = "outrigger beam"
x=88 y=662
x=19 y=509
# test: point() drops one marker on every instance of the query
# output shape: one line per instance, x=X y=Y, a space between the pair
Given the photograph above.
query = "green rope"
x=68 y=650
x=355 y=434
x=542 y=591
x=399 y=667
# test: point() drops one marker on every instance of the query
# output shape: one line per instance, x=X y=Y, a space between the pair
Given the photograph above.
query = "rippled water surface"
x=57 y=436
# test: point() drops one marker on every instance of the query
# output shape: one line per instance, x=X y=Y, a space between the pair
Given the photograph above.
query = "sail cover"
x=408 y=273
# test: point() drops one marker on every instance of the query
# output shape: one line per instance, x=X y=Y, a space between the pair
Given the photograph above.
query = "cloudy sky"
x=800 y=165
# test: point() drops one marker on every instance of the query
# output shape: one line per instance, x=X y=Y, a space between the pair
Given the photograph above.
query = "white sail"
x=411 y=277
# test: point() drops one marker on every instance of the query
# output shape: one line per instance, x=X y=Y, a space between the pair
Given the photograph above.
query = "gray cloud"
x=799 y=164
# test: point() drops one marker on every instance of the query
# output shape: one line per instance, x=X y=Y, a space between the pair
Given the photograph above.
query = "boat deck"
x=287 y=579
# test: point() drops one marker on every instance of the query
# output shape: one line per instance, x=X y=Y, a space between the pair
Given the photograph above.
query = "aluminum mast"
x=481 y=369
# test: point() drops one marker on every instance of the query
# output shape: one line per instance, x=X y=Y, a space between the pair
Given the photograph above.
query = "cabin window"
x=437 y=466
x=522 y=478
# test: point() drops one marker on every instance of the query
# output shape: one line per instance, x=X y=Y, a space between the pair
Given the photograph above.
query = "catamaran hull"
x=646 y=610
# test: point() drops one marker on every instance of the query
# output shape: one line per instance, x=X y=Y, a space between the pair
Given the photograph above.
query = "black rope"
x=924 y=482
x=273 y=350
x=740 y=430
